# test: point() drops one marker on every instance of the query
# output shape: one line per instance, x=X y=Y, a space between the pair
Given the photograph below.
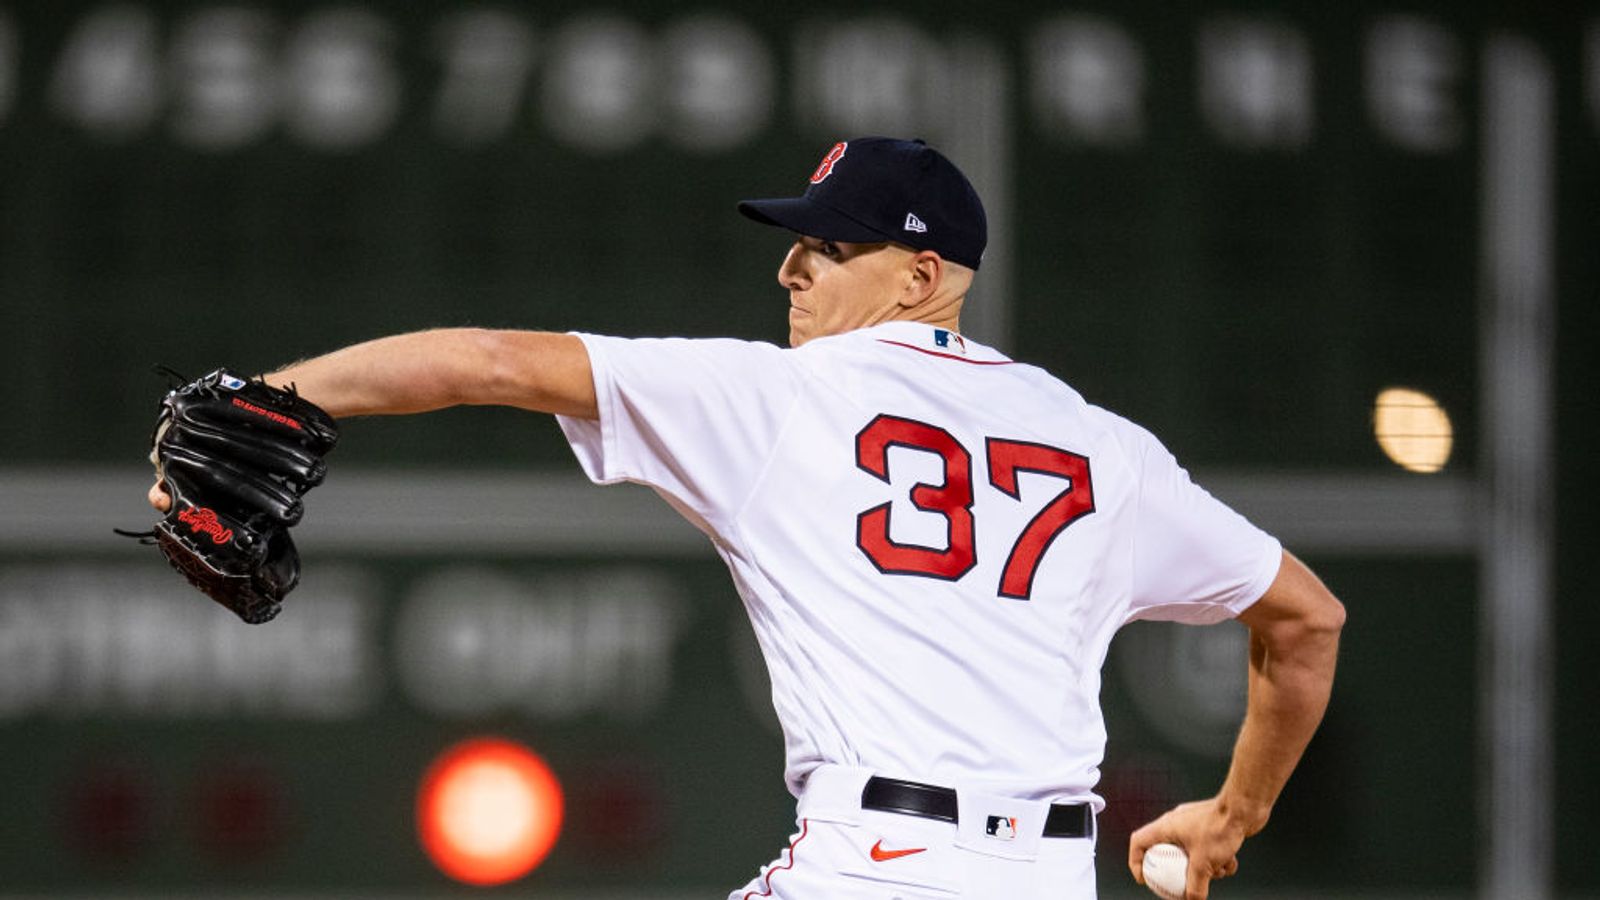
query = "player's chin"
x=800 y=326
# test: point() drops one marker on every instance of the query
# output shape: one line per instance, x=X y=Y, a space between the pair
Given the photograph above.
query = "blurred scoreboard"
x=1234 y=225
x=1284 y=201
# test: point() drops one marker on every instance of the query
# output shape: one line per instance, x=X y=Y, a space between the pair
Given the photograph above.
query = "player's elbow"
x=1305 y=631
x=492 y=367
x=450 y=367
x=1334 y=616
x=1325 y=617
x=1314 y=631
x=1312 y=642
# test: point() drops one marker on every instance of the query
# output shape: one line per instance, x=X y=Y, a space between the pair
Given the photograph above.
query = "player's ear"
x=925 y=269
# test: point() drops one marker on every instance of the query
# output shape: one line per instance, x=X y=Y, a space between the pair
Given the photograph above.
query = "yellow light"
x=489 y=811
x=1412 y=429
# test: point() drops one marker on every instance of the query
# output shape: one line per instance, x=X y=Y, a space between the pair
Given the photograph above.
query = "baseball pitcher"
x=935 y=543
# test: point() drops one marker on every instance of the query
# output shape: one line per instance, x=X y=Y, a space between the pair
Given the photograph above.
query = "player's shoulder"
x=1109 y=428
x=1136 y=443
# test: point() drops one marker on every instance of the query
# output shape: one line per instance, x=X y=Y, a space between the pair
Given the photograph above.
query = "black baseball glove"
x=236 y=455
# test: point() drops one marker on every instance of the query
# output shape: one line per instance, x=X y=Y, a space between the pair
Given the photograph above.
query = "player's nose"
x=792 y=274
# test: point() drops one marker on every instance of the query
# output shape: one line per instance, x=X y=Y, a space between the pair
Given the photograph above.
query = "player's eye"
x=829 y=249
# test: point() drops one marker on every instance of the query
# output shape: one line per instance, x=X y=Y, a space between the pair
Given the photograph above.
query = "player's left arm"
x=428 y=370
x=1294 y=645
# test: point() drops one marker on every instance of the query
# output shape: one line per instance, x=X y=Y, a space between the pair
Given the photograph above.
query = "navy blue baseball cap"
x=881 y=189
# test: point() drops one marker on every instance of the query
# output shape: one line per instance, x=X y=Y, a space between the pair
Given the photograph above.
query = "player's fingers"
x=159 y=498
x=1138 y=843
x=1198 y=883
x=1148 y=836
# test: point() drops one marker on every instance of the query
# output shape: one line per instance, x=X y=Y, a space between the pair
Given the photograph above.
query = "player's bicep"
x=541 y=371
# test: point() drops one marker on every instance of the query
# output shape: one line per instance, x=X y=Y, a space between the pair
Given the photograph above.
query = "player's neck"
x=947 y=317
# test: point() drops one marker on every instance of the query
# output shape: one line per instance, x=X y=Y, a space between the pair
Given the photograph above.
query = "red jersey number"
x=1006 y=459
x=953 y=500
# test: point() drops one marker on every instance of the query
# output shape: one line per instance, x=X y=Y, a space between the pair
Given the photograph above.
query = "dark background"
x=1245 y=303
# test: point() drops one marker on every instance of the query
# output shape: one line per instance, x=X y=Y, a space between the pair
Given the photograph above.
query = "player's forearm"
x=1291 y=679
x=428 y=370
x=404 y=373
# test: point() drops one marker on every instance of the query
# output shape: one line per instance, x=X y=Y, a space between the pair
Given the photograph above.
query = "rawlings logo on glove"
x=236 y=455
x=204 y=521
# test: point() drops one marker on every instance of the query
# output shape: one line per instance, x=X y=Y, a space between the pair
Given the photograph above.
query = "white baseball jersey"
x=934 y=543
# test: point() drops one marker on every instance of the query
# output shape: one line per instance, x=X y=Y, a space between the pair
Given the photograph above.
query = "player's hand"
x=158 y=497
x=1205 y=832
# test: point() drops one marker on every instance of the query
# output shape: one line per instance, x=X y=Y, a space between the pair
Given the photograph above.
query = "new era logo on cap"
x=863 y=192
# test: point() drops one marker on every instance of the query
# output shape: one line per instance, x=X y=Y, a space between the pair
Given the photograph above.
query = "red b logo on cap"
x=825 y=168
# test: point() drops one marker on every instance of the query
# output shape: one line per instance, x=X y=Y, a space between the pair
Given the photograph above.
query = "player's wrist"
x=1243 y=814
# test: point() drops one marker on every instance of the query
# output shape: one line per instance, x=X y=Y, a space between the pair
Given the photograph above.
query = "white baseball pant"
x=844 y=852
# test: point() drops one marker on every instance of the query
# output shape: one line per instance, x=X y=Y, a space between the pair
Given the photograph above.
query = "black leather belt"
x=1068 y=820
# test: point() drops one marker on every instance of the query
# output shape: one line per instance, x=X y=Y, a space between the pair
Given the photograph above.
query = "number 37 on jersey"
x=954 y=500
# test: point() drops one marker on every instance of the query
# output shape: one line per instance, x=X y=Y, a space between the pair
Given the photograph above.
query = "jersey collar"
x=935 y=341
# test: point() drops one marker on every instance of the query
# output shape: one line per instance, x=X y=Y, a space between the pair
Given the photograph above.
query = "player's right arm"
x=1294 y=647
x=428 y=370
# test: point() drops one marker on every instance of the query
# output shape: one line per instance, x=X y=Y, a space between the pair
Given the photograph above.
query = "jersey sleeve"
x=695 y=419
x=1195 y=560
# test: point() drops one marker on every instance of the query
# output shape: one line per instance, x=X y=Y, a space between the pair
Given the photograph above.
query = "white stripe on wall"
x=1517 y=345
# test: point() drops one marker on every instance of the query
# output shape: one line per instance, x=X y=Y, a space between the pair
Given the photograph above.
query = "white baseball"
x=1166 y=869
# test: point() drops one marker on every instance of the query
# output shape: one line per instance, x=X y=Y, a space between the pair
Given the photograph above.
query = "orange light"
x=1413 y=430
x=489 y=811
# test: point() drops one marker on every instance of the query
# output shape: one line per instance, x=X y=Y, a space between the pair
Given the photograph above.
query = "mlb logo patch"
x=231 y=383
x=1001 y=828
x=943 y=339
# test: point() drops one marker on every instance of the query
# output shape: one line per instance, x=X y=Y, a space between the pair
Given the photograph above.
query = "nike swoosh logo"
x=879 y=854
